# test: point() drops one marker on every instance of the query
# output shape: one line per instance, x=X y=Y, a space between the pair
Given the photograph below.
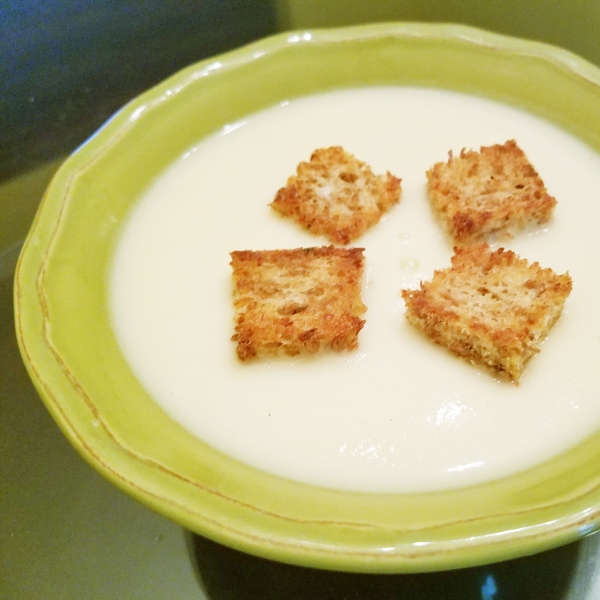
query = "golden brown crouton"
x=494 y=191
x=492 y=308
x=297 y=301
x=336 y=195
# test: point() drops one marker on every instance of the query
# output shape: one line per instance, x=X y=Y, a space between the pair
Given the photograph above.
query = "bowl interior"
x=64 y=330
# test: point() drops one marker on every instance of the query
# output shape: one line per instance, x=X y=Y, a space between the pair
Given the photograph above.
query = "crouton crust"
x=492 y=192
x=491 y=308
x=297 y=301
x=336 y=195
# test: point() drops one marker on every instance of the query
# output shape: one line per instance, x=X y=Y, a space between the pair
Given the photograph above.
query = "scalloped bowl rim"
x=61 y=314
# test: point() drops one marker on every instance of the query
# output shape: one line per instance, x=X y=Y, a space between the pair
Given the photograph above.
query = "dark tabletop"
x=65 y=532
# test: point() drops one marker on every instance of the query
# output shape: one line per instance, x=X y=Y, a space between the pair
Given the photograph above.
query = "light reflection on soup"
x=399 y=414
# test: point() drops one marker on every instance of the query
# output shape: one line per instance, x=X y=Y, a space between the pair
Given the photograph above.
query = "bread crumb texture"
x=491 y=308
x=297 y=301
x=495 y=191
x=336 y=195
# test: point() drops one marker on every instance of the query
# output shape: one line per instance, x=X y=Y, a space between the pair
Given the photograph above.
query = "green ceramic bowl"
x=69 y=348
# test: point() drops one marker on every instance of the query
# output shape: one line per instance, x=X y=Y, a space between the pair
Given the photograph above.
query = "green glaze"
x=68 y=346
x=565 y=23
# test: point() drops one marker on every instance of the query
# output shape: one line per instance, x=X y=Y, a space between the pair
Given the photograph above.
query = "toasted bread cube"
x=297 y=301
x=492 y=308
x=336 y=195
x=492 y=192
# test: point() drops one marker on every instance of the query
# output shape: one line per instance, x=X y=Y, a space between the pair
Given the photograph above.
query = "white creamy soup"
x=399 y=414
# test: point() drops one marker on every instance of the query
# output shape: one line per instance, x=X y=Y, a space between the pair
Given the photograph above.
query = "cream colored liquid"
x=399 y=414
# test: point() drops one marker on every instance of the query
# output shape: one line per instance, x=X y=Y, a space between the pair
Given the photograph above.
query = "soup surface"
x=399 y=414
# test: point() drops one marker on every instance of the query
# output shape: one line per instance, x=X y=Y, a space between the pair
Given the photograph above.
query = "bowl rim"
x=341 y=531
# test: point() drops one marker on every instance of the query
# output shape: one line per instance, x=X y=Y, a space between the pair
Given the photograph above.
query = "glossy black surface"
x=67 y=66
x=65 y=532
x=552 y=575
